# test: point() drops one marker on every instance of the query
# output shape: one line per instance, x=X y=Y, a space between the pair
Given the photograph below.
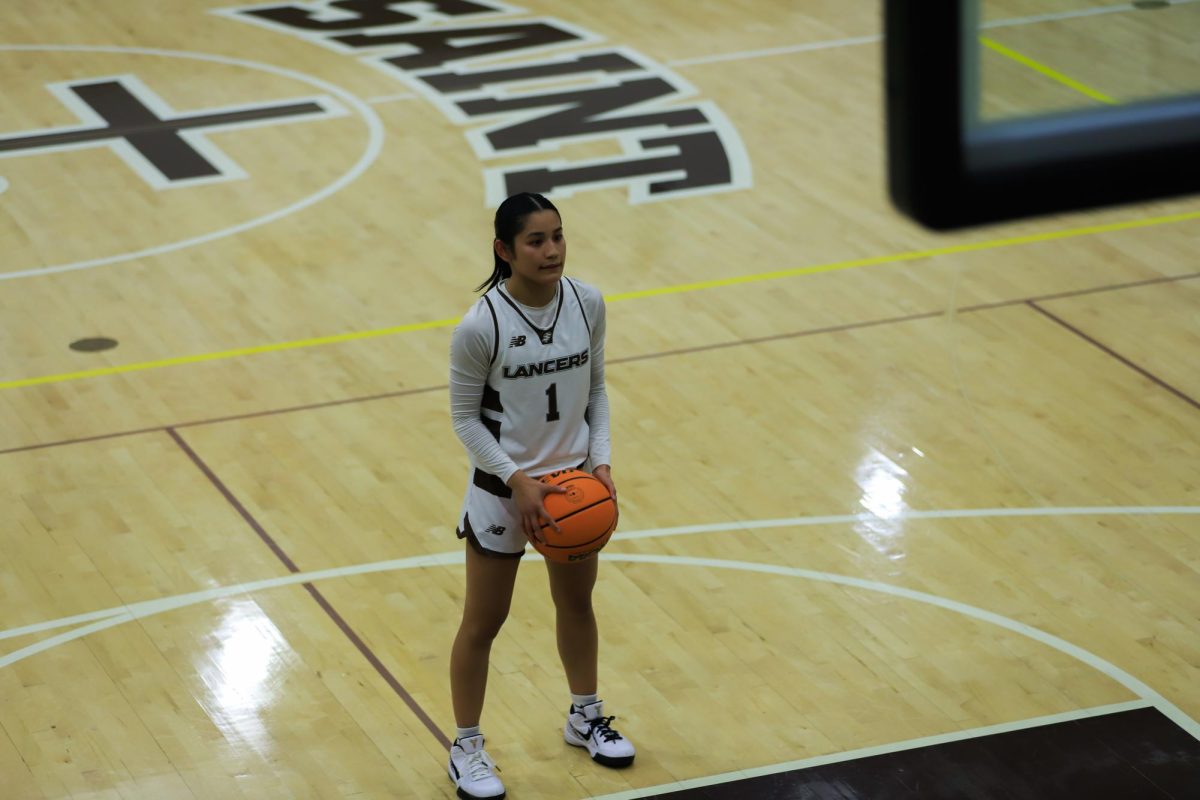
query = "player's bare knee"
x=574 y=606
x=481 y=627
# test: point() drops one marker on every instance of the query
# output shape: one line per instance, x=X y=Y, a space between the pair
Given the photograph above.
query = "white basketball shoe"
x=473 y=771
x=586 y=727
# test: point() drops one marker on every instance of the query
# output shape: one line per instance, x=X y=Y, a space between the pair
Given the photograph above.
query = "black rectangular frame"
x=947 y=170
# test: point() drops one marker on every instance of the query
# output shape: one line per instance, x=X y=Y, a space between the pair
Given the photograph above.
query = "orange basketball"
x=586 y=516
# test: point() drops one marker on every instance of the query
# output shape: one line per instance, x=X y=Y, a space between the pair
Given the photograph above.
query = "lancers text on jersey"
x=548 y=366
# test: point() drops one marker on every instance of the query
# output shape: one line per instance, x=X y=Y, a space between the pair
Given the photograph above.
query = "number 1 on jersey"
x=552 y=393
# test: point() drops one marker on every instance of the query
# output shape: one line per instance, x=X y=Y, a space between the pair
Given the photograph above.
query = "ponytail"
x=510 y=220
x=502 y=271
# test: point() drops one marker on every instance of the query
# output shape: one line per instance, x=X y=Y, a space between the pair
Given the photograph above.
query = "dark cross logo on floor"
x=166 y=148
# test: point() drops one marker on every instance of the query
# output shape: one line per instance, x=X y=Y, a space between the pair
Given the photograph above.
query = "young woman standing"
x=518 y=424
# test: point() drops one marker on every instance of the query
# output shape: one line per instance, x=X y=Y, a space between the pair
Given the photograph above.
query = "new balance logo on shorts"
x=517 y=341
x=495 y=530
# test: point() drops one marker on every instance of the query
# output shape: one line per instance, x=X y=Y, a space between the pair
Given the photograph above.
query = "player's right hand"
x=529 y=497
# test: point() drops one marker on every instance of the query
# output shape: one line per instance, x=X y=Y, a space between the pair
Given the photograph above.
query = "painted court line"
x=1145 y=373
x=879 y=750
x=274 y=347
x=910 y=255
x=851 y=41
x=1048 y=72
x=959 y=513
x=1148 y=696
x=269 y=412
x=320 y=599
x=621 y=360
x=150 y=607
x=392 y=98
x=371 y=150
x=1114 y=672
x=118 y=615
x=1076 y=14
x=835 y=266
x=742 y=55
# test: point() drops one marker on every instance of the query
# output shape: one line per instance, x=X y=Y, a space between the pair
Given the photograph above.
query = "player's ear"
x=502 y=251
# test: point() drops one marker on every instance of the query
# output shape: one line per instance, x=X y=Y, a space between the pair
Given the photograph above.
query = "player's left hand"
x=603 y=473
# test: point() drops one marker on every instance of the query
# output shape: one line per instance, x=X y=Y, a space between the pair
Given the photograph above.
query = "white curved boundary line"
x=111 y=617
x=148 y=608
x=1111 y=670
x=374 y=147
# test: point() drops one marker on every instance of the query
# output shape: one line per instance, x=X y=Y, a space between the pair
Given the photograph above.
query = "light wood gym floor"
x=878 y=485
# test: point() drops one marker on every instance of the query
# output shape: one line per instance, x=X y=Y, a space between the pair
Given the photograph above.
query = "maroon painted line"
x=270 y=412
x=1141 y=371
x=82 y=440
x=337 y=618
x=231 y=418
x=233 y=501
x=1117 y=286
x=383 y=671
x=849 y=326
x=1112 y=287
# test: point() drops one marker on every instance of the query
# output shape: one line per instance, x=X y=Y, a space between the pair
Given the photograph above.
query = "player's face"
x=539 y=251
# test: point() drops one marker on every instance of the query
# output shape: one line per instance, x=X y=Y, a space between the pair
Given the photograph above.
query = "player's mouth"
x=551 y=266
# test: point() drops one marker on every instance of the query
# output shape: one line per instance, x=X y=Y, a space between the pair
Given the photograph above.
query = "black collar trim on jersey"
x=545 y=335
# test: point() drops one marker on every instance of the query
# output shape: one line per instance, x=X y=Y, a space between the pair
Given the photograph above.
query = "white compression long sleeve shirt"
x=470 y=362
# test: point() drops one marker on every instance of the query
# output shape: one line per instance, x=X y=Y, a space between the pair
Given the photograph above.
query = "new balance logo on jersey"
x=547 y=337
x=495 y=530
x=517 y=341
x=548 y=366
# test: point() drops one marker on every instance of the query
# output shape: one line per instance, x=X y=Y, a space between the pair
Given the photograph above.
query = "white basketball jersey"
x=536 y=397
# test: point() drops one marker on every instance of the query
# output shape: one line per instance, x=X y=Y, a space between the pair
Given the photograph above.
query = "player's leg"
x=571 y=586
x=490 y=582
x=493 y=556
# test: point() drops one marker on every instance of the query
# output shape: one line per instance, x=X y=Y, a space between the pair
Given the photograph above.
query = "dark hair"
x=510 y=219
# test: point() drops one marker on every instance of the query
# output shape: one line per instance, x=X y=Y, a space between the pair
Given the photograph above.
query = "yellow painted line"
x=758 y=277
x=1052 y=74
x=241 y=351
x=912 y=255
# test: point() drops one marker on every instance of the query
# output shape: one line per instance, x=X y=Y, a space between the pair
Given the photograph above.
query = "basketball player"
x=527 y=398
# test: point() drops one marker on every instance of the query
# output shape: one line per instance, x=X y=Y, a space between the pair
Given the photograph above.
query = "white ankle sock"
x=581 y=700
x=466 y=733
